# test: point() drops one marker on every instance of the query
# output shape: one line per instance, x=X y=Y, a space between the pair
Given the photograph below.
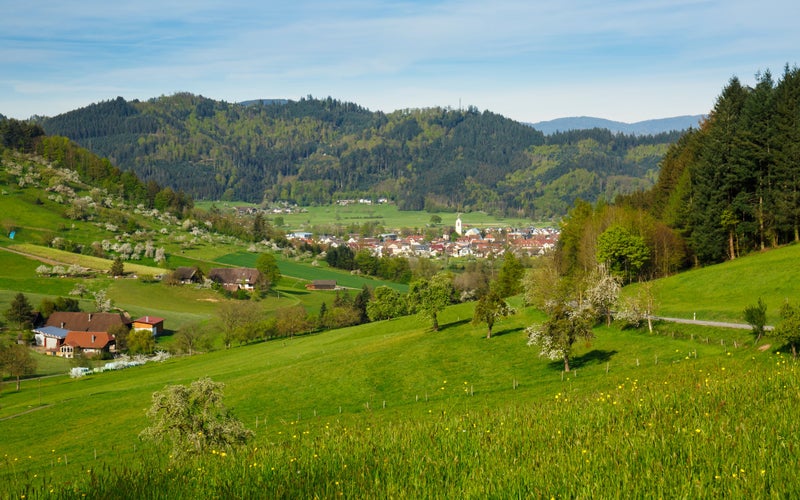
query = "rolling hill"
x=315 y=151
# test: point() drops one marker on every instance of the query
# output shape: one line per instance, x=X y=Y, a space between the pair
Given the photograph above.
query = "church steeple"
x=459 y=228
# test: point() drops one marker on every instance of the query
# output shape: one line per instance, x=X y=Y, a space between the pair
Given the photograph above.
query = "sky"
x=529 y=60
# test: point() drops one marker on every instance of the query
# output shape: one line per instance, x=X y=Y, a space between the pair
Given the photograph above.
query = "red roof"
x=89 y=340
x=149 y=320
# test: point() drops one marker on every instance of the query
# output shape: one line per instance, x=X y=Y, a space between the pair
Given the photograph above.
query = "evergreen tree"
x=20 y=312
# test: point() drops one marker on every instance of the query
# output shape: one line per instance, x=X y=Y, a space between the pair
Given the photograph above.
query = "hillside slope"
x=315 y=151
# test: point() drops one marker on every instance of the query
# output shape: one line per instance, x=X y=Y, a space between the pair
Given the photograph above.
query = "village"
x=464 y=241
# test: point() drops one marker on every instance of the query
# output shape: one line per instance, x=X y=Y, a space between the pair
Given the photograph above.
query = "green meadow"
x=394 y=409
x=387 y=215
x=721 y=292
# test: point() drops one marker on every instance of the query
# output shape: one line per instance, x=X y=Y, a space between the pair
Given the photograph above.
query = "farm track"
x=45 y=260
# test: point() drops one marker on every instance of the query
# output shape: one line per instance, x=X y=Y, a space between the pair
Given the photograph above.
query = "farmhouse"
x=87 y=322
x=235 y=278
x=88 y=343
x=152 y=324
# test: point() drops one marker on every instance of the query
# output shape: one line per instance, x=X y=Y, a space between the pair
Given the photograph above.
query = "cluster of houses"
x=66 y=334
x=473 y=242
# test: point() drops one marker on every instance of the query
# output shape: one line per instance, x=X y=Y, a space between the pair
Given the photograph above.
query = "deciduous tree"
x=268 y=270
x=557 y=336
x=193 y=419
x=16 y=360
x=788 y=329
x=387 y=303
x=489 y=309
x=429 y=297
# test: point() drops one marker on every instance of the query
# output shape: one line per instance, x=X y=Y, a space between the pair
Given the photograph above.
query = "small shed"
x=153 y=324
x=322 y=285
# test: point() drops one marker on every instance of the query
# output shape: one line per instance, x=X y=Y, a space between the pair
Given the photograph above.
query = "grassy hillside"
x=721 y=292
x=432 y=408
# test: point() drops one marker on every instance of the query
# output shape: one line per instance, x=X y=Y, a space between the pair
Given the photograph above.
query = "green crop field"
x=387 y=215
x=307 y=272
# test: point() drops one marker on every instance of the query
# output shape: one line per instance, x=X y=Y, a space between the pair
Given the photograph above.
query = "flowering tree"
x=557 y=336
x=603 y=292
x=193 y=419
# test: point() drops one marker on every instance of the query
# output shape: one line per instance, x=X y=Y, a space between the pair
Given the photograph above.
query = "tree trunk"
x=435 y=323
x=794 y=352
x=18 y=381
x=650 y=323
x=731 y=245
x=566 y=363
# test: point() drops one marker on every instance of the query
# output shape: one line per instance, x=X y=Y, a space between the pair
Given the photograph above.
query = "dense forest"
x=730 y=187
x=314 y=151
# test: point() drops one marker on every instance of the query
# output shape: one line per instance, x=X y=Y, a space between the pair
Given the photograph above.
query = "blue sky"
x=626 y=60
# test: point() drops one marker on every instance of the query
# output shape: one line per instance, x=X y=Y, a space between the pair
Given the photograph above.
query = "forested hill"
x=313 y=151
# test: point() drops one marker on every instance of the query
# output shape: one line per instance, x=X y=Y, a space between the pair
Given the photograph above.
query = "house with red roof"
x=88 y=343
x=153 y=324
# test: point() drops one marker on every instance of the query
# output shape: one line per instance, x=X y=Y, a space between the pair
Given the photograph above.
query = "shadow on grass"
x=453 y=324
x=166 y=333
x=294 y=292
x=507 y=331
x=595 y=356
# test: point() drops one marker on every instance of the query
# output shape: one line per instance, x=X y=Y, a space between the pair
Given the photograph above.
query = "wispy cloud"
x=500 y=55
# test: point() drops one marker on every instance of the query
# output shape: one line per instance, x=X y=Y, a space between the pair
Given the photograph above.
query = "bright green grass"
x=88 y=261
x=396 y=377
x=721 y=292
x=387 y=215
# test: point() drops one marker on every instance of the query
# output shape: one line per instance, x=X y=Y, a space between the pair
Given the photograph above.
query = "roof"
x=184 y=273
x=149 y=320
x=324 y=282
x=84 y=322
x=89 y=340
x=234 y=275
x=52 y=331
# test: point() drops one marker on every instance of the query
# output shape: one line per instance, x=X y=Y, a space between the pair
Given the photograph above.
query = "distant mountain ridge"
x=647 y=127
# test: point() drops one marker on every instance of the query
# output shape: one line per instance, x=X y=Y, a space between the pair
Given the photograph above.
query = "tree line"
x=730 y=187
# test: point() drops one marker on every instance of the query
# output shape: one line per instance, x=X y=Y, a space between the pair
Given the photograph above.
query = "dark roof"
x=184 y=273
x=324 y=282
x=84 y=322
x=234 y=275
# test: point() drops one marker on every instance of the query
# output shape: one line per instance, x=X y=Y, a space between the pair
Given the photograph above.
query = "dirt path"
x=35 y=257
x=716 y=324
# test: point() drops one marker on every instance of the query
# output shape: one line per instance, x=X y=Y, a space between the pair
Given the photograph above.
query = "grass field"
x=392 y=408
x=305 y=271
x=386 y=215
x=721 y=292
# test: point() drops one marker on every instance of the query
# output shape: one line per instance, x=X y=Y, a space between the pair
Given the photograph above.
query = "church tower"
x=459 y=228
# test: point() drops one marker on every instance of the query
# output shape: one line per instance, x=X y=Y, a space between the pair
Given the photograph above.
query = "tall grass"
x=700 y=430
